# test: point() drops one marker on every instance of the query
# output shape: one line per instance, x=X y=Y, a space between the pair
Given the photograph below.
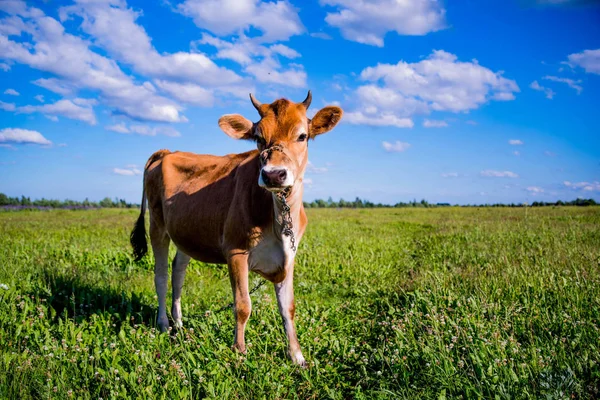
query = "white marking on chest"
x=271 y=254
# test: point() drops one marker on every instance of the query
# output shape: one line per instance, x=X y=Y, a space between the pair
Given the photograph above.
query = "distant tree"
x=106 y=202
x=321 y=203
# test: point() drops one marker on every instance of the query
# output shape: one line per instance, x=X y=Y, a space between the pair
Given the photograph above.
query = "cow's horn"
x=257 y=104
x=308 y=99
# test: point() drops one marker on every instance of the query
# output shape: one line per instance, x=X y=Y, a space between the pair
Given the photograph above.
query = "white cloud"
x=60 y=86
x=438 y=83
x=16 y=135
x=11 y=92
x=368 y=21
x=4 y=67
x=321 y=35
x=515 y=142
x=429 y=123
x=85 y=102
x=449 y=175
x=64 y=108
x=258 y=60
x=498 y=174
x=310 y=167
x=570 y=82
x=535 y=190
x=187 y=92
x=442 y=81
x=360 y=118
x=375 y=98
x=131 y=44
x=45 y=45
x=503 y=96
x=589 y=60
x=39 y=98
x=284 y=51
x=583 y=186
x=396 y=147
x=146 y=130
x=276 y=20
x=547 y=91
x=7 y=106
x=119 y=128
x=130 y=170
x=471 y=122
x=266 y=72
x=517 y=153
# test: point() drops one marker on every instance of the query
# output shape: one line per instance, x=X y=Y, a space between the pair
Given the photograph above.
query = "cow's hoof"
x=163 y=325
x=178 y=323
x=299 y=360
x=240 y=348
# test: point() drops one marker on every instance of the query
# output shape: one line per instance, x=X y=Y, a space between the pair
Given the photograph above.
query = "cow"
x=244 y=210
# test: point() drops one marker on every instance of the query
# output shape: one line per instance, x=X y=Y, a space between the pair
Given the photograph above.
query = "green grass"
x=391 y=303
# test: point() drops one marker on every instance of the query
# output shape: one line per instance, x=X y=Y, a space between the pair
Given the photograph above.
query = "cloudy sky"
x=463 y=102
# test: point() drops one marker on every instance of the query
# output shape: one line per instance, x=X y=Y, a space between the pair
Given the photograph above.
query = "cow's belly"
x=269 y=259
x=193 y=235
x=200 y=252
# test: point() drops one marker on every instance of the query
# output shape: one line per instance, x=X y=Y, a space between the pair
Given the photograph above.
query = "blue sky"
x=462 y=102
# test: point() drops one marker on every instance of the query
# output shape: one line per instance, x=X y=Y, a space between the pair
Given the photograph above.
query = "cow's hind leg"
x=180 y=263
x=160 y=246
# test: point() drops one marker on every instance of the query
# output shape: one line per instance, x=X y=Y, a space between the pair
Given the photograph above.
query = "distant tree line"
x=26 y=202
x=359 y=203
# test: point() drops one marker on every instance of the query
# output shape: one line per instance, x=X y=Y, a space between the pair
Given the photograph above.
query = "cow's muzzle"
x=275 y=178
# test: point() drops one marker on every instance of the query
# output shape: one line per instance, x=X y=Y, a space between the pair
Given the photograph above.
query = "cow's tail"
x=138 y=234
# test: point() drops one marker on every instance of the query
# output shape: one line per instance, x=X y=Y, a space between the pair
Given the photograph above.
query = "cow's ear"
x=236 y=126
x=325 y=120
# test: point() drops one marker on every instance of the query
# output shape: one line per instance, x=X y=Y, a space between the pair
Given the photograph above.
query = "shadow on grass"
x=73 y=298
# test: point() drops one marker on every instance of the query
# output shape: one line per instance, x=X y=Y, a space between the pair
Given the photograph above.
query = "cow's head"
x=282 y=136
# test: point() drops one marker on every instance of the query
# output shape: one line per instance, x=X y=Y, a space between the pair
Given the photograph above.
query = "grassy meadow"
x=391 y=303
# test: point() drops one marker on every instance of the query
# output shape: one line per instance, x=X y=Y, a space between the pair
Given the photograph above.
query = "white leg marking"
x=285 y=299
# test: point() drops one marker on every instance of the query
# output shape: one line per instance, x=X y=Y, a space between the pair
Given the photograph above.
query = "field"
x=391 y=303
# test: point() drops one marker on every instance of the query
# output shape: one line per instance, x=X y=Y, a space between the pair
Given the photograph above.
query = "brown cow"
x=232 y=209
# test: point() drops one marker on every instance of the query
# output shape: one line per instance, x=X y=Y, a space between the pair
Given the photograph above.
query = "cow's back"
x=191 y=195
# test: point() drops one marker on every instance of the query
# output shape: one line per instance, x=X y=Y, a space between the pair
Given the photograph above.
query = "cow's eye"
x=302 y=137
x=261 y=141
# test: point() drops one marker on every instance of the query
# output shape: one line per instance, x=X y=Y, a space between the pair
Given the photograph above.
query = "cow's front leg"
x=238 y=276
x=285 y=299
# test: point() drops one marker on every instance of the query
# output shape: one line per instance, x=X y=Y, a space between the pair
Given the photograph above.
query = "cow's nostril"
x=282 y=174
x=265 y=176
